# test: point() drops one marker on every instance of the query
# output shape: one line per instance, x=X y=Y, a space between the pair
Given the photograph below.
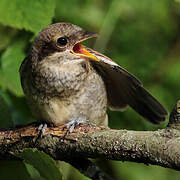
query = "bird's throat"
x=78 y=48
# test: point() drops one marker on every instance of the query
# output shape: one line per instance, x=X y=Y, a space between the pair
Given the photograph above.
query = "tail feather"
x=147 y=106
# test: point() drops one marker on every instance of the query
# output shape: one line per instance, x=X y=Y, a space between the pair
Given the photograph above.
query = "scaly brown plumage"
x=68 y=83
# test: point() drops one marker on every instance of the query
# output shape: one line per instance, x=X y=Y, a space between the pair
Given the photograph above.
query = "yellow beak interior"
x=81 y=50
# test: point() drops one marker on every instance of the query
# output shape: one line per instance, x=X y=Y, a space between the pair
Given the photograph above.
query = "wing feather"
x=124 y=89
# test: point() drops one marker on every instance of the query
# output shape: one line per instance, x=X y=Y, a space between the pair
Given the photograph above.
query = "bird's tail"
x=147 y=106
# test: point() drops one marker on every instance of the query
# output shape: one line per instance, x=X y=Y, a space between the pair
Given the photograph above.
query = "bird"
x=67 y=83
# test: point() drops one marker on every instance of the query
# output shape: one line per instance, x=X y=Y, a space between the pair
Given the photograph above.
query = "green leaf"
x=33 y=172
x=45 y=165
x=6 y=39
x=15 y=170
x=31 y=15
x=10 y=62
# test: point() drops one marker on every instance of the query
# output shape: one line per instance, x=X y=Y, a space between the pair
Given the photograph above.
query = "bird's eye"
x=62 y=41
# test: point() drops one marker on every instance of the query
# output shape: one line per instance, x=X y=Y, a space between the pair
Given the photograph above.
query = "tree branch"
x=161 y=147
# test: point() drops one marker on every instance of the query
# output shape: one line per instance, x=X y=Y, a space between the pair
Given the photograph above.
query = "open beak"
x=81 y=50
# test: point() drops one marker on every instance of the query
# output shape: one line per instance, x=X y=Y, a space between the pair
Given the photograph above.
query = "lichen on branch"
x=161 y=147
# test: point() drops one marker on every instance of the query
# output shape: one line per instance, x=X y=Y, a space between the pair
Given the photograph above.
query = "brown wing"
x=125 y=89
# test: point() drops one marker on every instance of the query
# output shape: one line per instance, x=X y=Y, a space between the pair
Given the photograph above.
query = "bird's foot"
x=73 y=124
x=42 y=129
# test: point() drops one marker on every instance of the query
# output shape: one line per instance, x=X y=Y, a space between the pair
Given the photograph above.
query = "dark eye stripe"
x=48 y=49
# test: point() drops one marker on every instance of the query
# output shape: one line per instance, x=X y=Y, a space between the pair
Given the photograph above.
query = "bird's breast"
x=54 y=79
x=88 y=103
x=58 y=93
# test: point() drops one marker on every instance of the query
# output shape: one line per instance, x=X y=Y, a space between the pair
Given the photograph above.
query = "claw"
x=73 y=124
x=42 y=129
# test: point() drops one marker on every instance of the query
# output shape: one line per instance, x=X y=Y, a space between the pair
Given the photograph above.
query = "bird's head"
x=62 y=38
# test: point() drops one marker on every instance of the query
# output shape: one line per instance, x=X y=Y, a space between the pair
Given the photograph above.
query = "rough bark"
x=161 y=147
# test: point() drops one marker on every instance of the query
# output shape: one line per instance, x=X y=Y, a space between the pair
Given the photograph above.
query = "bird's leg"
x=42 y=128
x=73 y=124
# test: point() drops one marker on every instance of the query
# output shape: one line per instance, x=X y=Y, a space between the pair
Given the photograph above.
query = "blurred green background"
x=142 y=36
